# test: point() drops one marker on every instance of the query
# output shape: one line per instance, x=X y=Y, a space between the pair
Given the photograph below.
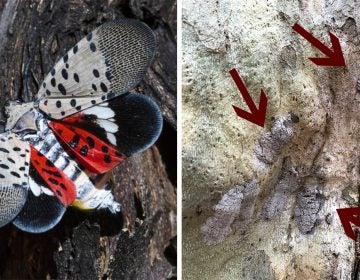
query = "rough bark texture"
x=294 y=231
x=33 y=36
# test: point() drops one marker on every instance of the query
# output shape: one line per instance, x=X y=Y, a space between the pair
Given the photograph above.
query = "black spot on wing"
x=4 y=166
x=105 y=149
x=15 y=174
x=76 y=78
x=107 y=158
x=4 y=150
x=62 y=89
x=75 y=141
x=103 y=87
x=84 y=150
x=96 y=73
x=65 y=74
x=90 y=141
x=50 y=172
x=92 y=47
x=53 y=181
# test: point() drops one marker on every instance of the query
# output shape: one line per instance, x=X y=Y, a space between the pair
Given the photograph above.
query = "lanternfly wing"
x=42 y=210
x=102 y=136
x=54 y=178
x=107 y=63
x=14 y=170
x=51 y=192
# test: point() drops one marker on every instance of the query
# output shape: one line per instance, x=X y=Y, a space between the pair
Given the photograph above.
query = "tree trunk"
x=260 y=203
x=139 y=242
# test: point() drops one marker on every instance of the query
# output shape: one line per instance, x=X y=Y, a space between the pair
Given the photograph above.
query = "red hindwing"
x=61 y=185
x=90 y=151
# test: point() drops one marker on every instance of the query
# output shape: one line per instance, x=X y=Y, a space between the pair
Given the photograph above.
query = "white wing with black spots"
x=107 y=63
x=14 y=170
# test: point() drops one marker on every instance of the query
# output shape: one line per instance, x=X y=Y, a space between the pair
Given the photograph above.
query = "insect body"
x=57 y=150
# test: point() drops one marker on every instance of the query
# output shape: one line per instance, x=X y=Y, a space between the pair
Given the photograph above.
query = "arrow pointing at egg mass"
x=334 y=56
x=348 y=216
x=256 y=116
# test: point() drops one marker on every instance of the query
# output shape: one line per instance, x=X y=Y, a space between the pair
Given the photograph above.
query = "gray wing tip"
x=128 y=46
x=142 y=28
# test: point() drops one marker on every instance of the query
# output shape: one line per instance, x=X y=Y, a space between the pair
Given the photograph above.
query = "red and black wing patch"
x=61 y=185
x=102 y=136
x=51 y=192
x=90 y=151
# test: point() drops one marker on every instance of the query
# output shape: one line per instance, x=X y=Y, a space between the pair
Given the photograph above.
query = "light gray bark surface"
x=294 y=231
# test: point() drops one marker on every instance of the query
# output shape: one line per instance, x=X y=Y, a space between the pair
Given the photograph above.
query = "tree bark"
x=139 y=242
x=260 y=202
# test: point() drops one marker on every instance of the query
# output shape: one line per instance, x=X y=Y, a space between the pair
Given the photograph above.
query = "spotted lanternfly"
x=57 y=151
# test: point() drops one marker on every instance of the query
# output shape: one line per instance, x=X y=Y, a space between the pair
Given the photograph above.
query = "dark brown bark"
x=33 y=36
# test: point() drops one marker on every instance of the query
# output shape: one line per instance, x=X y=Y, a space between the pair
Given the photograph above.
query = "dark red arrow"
x=348 y=216
x=334 y=57
x=257 y=116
